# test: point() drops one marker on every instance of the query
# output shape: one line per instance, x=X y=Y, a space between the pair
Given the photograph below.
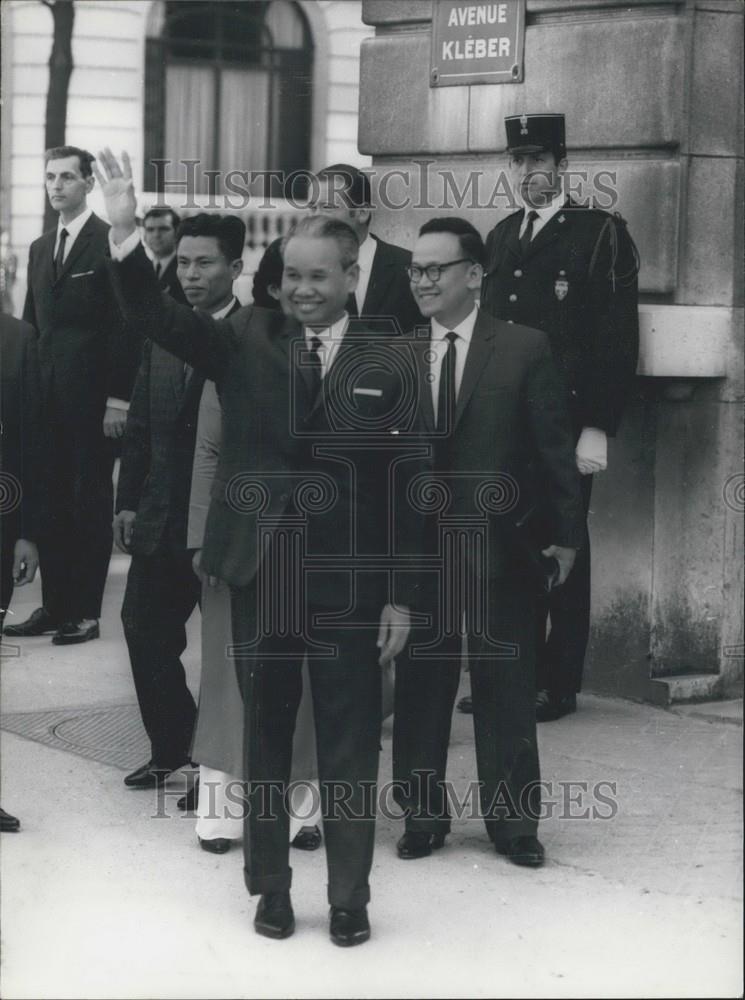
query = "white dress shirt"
x=222 y=313
x=439 y=345
x=544 y=214
x=365 y=262
x=120 y=251
x=331 y=338
x=73 y=230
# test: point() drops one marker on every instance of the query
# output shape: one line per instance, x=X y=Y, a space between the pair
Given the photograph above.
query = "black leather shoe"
x=38 y=623
x=308 y=839
x=349 y=927
x=415 y=844
x=188 y=802
x=152 y=774
x=72 y=632
x=466 y=705
x=526 y=851
x=215 y=845
x=8 y=823
x=274 y=917
x=549 y=707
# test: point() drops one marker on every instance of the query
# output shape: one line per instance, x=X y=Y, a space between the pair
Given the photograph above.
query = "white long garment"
x=220 y=810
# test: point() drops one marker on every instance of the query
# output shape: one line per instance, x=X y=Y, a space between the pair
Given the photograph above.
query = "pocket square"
x=368 y=392
x=82 y=274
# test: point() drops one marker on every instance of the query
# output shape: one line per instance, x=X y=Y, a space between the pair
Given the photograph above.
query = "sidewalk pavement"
x=641 y=894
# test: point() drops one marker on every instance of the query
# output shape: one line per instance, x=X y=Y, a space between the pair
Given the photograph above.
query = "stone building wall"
x=652 y=92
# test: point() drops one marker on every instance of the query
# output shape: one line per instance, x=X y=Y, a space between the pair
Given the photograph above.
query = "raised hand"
x=116 y=184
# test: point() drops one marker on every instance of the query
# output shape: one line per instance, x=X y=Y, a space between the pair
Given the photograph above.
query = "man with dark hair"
x=344 y=192
x=159 y=227
x=87 y=369
x=497 y=423
x=571 y=271
x=153 y=502
x=309 y=504
x=267 y=282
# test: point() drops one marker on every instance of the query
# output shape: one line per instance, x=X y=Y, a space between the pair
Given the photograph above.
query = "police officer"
x=570 y=270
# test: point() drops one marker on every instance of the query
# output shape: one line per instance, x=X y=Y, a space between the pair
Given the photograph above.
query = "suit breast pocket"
x=80 y=287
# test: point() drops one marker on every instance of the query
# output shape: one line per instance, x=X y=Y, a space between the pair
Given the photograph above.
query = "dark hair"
x=85 y=158
x=269 y=272
x=558 y=152
x=471 y=244
x=321 y=227
x=158 y=213
x=228 y=230
x=349 y=181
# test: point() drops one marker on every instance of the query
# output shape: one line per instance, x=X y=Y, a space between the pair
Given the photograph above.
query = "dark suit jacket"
x=169 y=283
x=510 y=444
x=388 y=292
x=84 y=352
x=577 y=283
x=158 y=450
x=21 y=451
x=336 y=468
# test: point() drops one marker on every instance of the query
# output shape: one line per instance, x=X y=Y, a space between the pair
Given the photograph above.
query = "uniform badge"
x=561 y=286
x=523 y=124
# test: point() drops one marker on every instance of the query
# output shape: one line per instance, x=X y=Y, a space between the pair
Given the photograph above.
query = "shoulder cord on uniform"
x=611 y=225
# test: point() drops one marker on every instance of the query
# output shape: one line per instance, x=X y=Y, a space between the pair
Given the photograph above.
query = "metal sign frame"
x=441 y=32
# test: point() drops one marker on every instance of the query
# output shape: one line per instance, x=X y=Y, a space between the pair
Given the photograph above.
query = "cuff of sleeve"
x=117 y=404
x=122 y=250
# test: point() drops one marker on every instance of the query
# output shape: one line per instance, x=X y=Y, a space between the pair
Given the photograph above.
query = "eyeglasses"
x=433 y=271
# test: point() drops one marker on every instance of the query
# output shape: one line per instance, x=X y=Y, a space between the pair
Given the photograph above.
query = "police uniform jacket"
x=577 y=281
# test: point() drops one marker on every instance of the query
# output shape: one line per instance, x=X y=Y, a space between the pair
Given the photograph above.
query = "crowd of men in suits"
x=405 y=462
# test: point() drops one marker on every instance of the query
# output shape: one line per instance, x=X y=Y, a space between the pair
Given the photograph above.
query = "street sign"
x=477 y=42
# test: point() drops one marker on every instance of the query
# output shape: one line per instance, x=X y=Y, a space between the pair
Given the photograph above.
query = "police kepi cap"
x=532 y=133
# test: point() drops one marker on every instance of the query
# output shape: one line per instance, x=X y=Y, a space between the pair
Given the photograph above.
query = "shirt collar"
x=163 y=261
x=547 y=212
x=331 y=334
x=73 y=228
x=221 y=313
x=366 y=253
x=464 y=329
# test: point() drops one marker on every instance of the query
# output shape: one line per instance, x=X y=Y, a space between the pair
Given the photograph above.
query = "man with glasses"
x=496 y=421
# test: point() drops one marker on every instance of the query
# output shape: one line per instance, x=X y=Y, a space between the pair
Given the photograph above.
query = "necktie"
x=158 y=269
x=59 y=260
x=446 y=390
x=527 y=236
x=316 y=369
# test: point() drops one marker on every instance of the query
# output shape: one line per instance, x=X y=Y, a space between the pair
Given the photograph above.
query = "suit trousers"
x=76 y=539
x=561 y=655
x=502 y=672
x=345 y=683
x=9 y=534
x=426 y=684
x=162 y=591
